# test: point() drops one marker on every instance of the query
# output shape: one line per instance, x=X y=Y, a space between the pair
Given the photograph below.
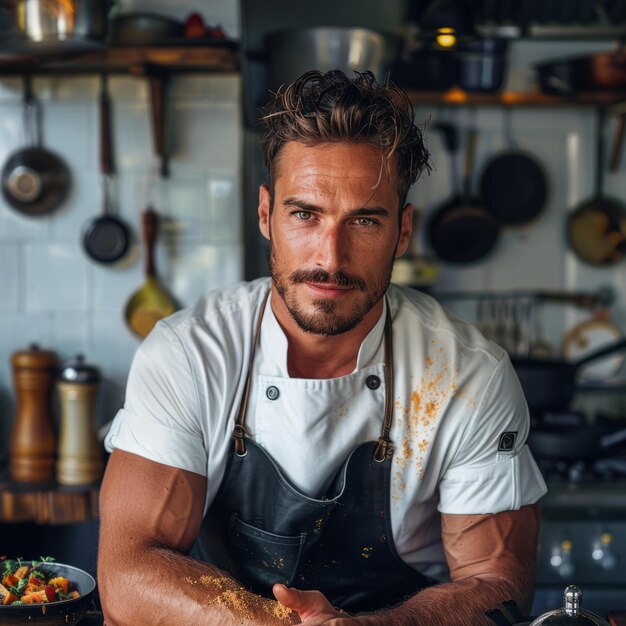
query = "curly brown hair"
x=330 y=107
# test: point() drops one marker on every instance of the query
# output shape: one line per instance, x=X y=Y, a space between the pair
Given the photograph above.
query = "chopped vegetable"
x=32 y=584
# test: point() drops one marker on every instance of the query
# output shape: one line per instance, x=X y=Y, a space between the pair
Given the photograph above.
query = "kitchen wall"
x=536 y=256
x=51 y=293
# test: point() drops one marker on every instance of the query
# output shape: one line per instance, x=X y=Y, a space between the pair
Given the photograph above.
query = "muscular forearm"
x=451 y=604
x=158 y=586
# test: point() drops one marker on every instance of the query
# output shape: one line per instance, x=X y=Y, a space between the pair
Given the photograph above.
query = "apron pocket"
x=266 y=558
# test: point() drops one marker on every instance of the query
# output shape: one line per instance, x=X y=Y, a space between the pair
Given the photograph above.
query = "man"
x=340 y=443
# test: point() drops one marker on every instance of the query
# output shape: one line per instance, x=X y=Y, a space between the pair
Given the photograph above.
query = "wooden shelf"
x=460 y=98
x=133 y=60
x=47 y=503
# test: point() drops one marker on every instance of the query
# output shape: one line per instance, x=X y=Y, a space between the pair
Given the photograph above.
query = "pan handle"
x=605 y=351
x=616 y=153
x=106 y=152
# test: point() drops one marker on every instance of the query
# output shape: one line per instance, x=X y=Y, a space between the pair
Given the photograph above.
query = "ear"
x=264 y=210
x=406 y=228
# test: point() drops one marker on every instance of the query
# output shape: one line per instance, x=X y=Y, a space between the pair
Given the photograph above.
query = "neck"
x=318 y=356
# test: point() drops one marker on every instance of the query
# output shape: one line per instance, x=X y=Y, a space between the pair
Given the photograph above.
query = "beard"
x=325 y=319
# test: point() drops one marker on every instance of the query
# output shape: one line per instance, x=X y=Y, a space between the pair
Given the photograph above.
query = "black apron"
x=262 y=530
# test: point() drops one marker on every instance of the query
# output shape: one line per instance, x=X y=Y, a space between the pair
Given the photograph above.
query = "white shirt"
x=459 y=426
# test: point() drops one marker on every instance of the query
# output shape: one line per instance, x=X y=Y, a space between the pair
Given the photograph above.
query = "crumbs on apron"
x=238 y=599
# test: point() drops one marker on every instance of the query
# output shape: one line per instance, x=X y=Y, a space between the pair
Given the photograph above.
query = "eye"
x=305 y=216
x=365 y=221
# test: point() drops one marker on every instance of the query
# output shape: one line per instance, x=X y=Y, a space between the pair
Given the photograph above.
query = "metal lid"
x=571 y=614
x=78 y=372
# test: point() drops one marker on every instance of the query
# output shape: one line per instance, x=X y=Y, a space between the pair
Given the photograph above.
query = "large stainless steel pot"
x=571 y=614
x=62 y=20
x=291 y=53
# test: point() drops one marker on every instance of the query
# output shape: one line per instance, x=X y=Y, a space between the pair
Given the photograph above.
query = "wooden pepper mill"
x=33 y=443
x=80 y=453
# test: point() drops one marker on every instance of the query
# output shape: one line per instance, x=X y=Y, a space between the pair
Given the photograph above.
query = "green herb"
x=63 y=596
x=38 y=574
x=17 y=603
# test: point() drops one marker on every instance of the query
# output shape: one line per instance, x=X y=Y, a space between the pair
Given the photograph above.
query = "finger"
x=305 y=603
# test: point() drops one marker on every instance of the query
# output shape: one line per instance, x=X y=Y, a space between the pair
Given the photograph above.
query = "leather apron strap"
x=384 y=449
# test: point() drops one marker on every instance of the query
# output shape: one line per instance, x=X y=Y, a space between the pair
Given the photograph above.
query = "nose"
x=332 y=250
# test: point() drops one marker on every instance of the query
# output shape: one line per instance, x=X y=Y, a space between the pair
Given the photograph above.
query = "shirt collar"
x=273 y=337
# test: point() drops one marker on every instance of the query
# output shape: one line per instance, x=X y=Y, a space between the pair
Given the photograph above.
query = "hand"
x=312 y=607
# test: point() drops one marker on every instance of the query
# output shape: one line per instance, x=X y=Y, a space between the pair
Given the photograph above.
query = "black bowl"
x=63 y=613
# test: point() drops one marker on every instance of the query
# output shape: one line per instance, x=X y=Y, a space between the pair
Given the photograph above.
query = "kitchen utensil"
x=158 y=102
x=33 y=442
x=106 y=238
x=144 y=29
x=151 y=302
x=35 y=181
x=572 y=614
x=549 y=384
x=64 y=613
x=412 y=268
x=513 y=185
x=482 y=64
x=291 y=53
x=593 y=72
x=539 y=347
x=80 y=454
x=588 y=336
x=596 y=229
x=555 y=439
x=616 y=152
x=461 y=231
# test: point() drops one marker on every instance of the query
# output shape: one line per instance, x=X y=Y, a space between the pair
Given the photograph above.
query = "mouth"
x=327 y=290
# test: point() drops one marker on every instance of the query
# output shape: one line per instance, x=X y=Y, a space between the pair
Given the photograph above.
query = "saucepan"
x=550 y=384
x=63 y=613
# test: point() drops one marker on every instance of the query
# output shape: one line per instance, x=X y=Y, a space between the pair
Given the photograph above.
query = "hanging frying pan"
x=106 y=238
x=462 y=231
x=513 y=185
x=596 y=230
x=35 y=181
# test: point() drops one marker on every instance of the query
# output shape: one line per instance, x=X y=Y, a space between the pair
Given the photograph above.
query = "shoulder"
x=228 y=310
x=422 y=319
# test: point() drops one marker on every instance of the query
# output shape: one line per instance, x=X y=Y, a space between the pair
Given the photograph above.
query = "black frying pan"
x=35 y=181
x=596 y=229
x=106 y=238
x=462 y=231
x=513 y=185
x=549 y=384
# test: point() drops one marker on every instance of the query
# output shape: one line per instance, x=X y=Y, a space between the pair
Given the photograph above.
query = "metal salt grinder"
x=80 y=452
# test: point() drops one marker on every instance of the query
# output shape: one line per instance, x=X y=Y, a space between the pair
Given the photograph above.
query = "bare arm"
x=150 y=516
x=491 y=559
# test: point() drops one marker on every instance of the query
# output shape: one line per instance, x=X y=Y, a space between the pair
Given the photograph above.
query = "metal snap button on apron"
x=372 y=382
x=272 y=393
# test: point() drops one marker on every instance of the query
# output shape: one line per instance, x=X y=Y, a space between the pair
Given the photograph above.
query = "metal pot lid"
x=571 y=614
x=76 y=371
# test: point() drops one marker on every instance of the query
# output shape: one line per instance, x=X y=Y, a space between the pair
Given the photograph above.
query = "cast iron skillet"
x=35 y=181
x=462 y=231
x=514 y=187
x=64 y=613
x=106 y=238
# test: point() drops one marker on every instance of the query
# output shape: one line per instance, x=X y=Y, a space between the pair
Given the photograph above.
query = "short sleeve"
x=493 y=470
x=160 y=418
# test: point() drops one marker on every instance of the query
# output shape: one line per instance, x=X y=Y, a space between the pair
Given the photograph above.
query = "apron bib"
x=262 y=530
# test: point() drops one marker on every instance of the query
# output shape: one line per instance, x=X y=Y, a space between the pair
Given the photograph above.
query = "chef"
x=321 y=447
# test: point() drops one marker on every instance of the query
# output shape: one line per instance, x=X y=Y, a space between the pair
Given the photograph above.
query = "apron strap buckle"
x=384 y=450
x=239 y=435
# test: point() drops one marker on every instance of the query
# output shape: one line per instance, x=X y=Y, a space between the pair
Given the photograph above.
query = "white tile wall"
x=51 y=292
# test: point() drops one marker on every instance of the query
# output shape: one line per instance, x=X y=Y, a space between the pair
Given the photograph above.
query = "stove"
x=582 y=538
